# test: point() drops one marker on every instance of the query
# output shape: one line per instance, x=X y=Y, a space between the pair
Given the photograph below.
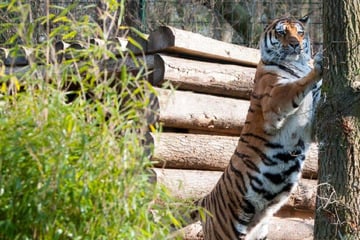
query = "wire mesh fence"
x=235 y=21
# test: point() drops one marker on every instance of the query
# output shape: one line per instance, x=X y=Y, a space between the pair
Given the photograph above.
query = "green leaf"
x=61 y=19
x=70 y=35
x=134 y=43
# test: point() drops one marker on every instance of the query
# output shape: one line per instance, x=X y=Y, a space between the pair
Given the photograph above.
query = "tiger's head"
x=285 y=39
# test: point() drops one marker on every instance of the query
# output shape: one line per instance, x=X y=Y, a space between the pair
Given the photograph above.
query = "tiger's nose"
x=294 y=43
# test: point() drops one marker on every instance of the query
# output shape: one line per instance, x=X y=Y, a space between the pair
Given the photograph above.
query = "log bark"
x=279 y=229
x=204 y=77
x=187 y=110
x=194 y=184
x=174 y=40
x=207 y=152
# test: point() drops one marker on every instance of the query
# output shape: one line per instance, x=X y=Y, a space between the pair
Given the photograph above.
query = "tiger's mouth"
x=290 y=52
x=293 y=51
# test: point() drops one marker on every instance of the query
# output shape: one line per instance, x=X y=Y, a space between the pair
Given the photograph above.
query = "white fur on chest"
x=298 y=125
x=300 y=68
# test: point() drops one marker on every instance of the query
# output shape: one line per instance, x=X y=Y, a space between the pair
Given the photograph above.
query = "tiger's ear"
x=304 y=19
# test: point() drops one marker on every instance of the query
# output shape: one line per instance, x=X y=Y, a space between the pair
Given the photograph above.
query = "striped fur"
x=269 y=157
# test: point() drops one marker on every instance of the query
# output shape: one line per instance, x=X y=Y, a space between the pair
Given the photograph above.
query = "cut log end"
x=159 y=70
x=161 y=39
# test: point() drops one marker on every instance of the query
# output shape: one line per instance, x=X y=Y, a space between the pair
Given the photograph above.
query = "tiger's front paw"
x=318 y=63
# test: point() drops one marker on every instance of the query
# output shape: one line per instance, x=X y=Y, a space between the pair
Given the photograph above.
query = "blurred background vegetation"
x=236 y=21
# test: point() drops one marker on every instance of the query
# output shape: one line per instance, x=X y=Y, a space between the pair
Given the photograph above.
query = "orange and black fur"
x=270 y=154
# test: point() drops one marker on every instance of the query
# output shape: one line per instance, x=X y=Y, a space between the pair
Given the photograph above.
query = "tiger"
x=267 y=162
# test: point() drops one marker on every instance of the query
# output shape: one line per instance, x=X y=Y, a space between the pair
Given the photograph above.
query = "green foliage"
x=72 y=160
x=66 y=173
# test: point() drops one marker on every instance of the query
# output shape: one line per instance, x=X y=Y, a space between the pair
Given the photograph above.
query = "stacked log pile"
x=203 y=119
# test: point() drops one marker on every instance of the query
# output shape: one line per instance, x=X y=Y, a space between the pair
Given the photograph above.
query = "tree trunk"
x=338 y=202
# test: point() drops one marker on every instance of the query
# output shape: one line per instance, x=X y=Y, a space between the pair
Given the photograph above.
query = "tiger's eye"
x=300 y=30
x=280 y=32
x=280 y=29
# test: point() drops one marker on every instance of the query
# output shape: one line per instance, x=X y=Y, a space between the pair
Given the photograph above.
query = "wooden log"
x=290 y=212
x=194 y=184
x=187 y=110
x=174 y=40
x=207 y=152
x=193 y=151
x=204 y=77
x=279 y=229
